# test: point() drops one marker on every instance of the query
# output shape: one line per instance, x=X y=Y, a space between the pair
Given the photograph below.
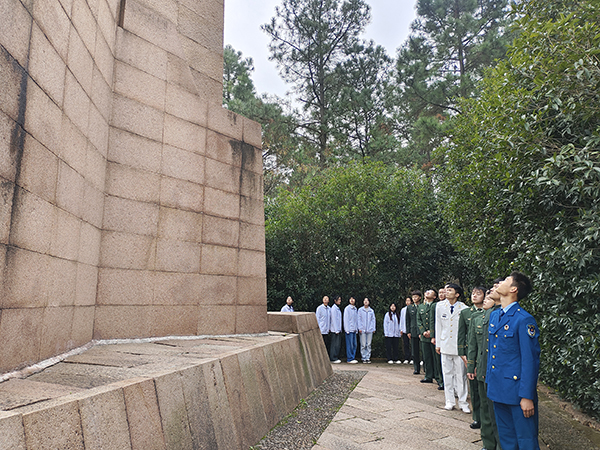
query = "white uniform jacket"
x=446 y=326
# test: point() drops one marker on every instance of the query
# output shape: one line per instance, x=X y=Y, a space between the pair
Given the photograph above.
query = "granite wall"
x=130 y=200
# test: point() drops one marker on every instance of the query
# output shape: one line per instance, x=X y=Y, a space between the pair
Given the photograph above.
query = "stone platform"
x=213 y=392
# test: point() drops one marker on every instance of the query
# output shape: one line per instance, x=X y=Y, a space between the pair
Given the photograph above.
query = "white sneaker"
x=465 y=409
x=337 y=361
x=406 y=361
x=449 y=407
x=365 y=361
x=411 y=361
x=353 y=362
x=421 y=362
x=390 y=362
x=368 y=361
x=398 y=362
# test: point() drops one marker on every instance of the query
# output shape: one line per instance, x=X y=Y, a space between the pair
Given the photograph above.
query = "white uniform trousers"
x=455 y=380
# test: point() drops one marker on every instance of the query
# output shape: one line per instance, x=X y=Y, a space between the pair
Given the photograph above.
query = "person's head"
x=430 y=295
x=352 y=301
x=453 y=291
x=337 y=300
x=442 y=293
x=493 y=293
x=326 y=300
x=516 y=284
x=477 y=295
x=393 y=308
x=416 y=296
x=289 y=301
x=488 y=301
x=408 y=301
x=366 y=302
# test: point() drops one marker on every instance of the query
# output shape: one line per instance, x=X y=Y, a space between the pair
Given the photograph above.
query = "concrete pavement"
x=391 y=409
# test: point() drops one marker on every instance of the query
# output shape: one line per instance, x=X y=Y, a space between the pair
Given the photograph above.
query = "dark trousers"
x=336 y=345
x=428 y=352
x=437 y=367
x=489 y=433
x=475 y=400
x=517 y=432
x=392 y=348
x=406 y=346
x=327 y=341
x=415 y=343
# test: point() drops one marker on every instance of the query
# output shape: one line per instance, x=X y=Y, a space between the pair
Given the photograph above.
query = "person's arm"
x=438 y=330
x=408 y=322
x=529 y=348
x=472 y=349
x=462 y=335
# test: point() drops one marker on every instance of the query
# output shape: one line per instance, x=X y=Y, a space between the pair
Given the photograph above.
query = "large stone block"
x=225 y=122
x=125 y=287
x=83 y=325
x=54 y=22
x=33 y=223
x=250 y=384
x=173 y=412
x=86 y=284
x=174 y=320
x=252 y=133
x=43 y=118
x=281 y=396
x=222 y=176
x=103 y=58
x=8 y=150
x=251 y=185
x=178 y=289
x=218 y=290
x=121 y=322
x=65 y=238
x=92 y=206
x=7 y=190
x=251 y=319
x=259 y=362
x=101 y=94
x=223 y=148
x=127 y=251
x=56 y=427
x=80 y=63
x=203 y=29
x=69 y=189
x=166 y=9
x=140 y=86
x=220 y=409
x=221 y=231
x=180 y=194
x=135 y=117
x=252 y=236
x=77 y=103
x=178 y=256
x=176 y=224
x=238 y=401
x=212 y=90
x=134 y=150
x=98 y=136
x=39 y=169
x=12 y=435
x=183 y=134
x=73 y=149
x=179 y=73
x=178 y=163
x=46 y=66
x=218 y=260
x=130 y=216
x=252 y=291
x=107 y=22
x=104 y=420
x=143 y=416
x=222 y=204
x=126 y=182
x=56 y=331
x=84 y=22
x=16 y=352
x=186 y=105
x=15 y=33
x=204 y=60
x=252 y=210
x=62 y=281
x=216 y=320
x=25 y=279
x=141 y=53
x=251 y=263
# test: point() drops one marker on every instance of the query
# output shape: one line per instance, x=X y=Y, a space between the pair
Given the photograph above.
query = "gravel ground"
x=301 y=429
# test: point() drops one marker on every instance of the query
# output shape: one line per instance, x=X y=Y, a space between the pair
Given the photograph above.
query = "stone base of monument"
x=195 y=393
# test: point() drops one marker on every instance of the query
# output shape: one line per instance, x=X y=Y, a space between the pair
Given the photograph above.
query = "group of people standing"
x=490 y=349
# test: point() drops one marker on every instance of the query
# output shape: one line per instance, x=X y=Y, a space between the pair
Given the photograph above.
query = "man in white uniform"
x=447 y=315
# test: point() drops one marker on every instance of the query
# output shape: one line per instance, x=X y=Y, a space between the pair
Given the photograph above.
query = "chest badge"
x=506 y=327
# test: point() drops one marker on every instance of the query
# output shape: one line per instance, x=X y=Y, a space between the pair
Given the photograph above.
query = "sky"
x=389 y=27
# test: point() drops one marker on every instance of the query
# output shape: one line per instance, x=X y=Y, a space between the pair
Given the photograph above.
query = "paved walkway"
x=390 y=409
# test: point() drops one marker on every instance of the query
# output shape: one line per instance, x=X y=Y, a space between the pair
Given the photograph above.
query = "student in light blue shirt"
x=351 y=327
x=391 y=331
x=335 y=330
x=324 y=321
x=288 y=305
x=366 y=328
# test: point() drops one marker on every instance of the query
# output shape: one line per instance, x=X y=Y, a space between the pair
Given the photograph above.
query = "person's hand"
x=438 y=351
x=464 y=358
x=427 y=334
x=528 y=407
x=471 y=376
x=433 y=341
x=408 y=335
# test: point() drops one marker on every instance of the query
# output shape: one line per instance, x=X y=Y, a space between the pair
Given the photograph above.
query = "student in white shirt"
x=391 y=332
x=366 y=328
x=335 y=330
x=404 y=333
x=324 y=321
x=351 y=327
x=288 y=305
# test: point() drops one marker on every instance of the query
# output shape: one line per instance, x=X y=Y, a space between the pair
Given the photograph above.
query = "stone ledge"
x=218 y=392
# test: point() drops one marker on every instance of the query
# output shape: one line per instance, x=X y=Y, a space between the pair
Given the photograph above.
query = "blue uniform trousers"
x=515 y=431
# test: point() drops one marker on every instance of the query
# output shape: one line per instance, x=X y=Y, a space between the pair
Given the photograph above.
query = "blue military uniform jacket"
x=513 y=357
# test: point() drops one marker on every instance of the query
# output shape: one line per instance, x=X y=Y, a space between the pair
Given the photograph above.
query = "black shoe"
x=416 y=373
x=441 y=387
x=426 y=380
x=475 y=425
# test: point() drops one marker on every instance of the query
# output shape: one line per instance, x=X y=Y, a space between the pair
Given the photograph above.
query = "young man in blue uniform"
x=513 y=366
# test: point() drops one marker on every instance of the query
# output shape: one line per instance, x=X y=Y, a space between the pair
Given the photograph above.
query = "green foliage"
x=450 y=45
x=363 y=230
x=521 y=178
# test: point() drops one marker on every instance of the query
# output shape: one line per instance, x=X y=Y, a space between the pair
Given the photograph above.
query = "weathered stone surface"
x=143 y=416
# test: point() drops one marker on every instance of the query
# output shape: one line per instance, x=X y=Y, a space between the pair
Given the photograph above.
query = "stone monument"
x=131 y=201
